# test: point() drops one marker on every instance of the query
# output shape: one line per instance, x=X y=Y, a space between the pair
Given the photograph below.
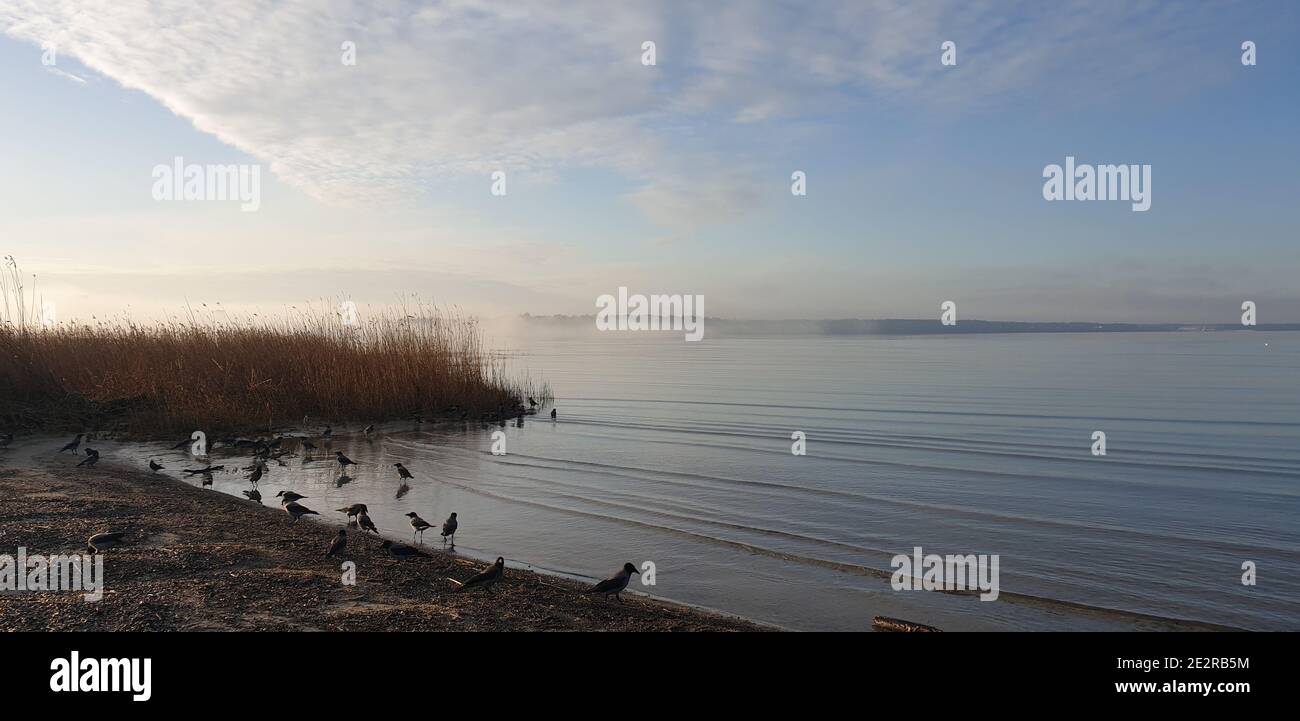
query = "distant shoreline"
x=905 y=327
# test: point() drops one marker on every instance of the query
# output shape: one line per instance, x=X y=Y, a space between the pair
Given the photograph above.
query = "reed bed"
x=251 y=374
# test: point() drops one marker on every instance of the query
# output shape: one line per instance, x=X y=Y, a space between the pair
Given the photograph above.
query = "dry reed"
x=246 y=375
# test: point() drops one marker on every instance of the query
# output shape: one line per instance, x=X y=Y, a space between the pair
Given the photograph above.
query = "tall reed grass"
x=246 y=375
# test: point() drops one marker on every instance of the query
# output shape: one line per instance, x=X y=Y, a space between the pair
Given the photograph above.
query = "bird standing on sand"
x=402 y=472
x=552 y=414
x=449 y=530
x=289 y=497
x=344 y=461
x=92 y=457
x=74 y=444
x=365 y=524
x=103 y=541
x=418 y=525
x=399 y=550
x=615 y=585
x=355 y=509
x=254 y=495
x=484 y=579
x=154 y=466
x=296 y=511
x=340 y=541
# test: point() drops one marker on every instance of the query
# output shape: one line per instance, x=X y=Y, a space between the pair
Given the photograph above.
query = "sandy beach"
x=197 y=560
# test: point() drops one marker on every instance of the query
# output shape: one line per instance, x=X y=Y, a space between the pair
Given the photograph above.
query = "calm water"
x=679 y=453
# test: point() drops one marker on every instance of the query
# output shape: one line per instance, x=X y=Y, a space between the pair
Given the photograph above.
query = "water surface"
x=679 y=454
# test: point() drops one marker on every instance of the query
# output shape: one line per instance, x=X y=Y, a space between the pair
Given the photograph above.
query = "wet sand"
x=199 y=560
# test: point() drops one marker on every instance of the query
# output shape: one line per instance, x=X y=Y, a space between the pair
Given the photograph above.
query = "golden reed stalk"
x=249 y=375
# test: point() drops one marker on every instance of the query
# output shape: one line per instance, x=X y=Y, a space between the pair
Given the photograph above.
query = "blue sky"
x=924 y=181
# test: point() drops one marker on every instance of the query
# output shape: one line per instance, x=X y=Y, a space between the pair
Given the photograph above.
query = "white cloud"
x=445 y=89
x=66 y=75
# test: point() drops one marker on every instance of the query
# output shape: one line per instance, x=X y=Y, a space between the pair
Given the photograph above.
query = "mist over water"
x=679 y=453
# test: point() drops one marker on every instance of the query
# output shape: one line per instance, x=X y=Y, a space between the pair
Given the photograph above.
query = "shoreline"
x=201 y=560
x=42 y=483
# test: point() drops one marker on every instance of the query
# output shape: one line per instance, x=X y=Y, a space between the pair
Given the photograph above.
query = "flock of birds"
x=357 y=514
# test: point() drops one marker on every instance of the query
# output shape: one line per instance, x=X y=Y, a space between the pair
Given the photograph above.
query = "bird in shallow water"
x=402 y=472
x=615 y=585
x=74 y=444
x=531 y=401
x=327 y=435
x=449 y=530
x=289 y=497
x=355 y=509
x=552 y=414
x=344 y=461
x=418 y=525
x=400 y=550
x=207 y=480
x=308 y=445
x=254 y=495
x=182 y=444
x=296 y=511
x=256 y=475
x=101 y=542
x=92 y=457
x=338 y=544
x=197 y=471
x=154 y=466
x=370 y=430
x=365 y=524
x=484 y=579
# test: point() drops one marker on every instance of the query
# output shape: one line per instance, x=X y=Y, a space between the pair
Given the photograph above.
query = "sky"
x=924 y=181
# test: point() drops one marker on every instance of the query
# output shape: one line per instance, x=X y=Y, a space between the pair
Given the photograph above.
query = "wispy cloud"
x=66 y=75
x=445 y=89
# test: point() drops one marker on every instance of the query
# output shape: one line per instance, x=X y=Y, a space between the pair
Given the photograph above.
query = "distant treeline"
x=903 y=326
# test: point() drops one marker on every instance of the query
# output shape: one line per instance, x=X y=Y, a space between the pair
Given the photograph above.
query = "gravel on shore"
x=199 y=560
